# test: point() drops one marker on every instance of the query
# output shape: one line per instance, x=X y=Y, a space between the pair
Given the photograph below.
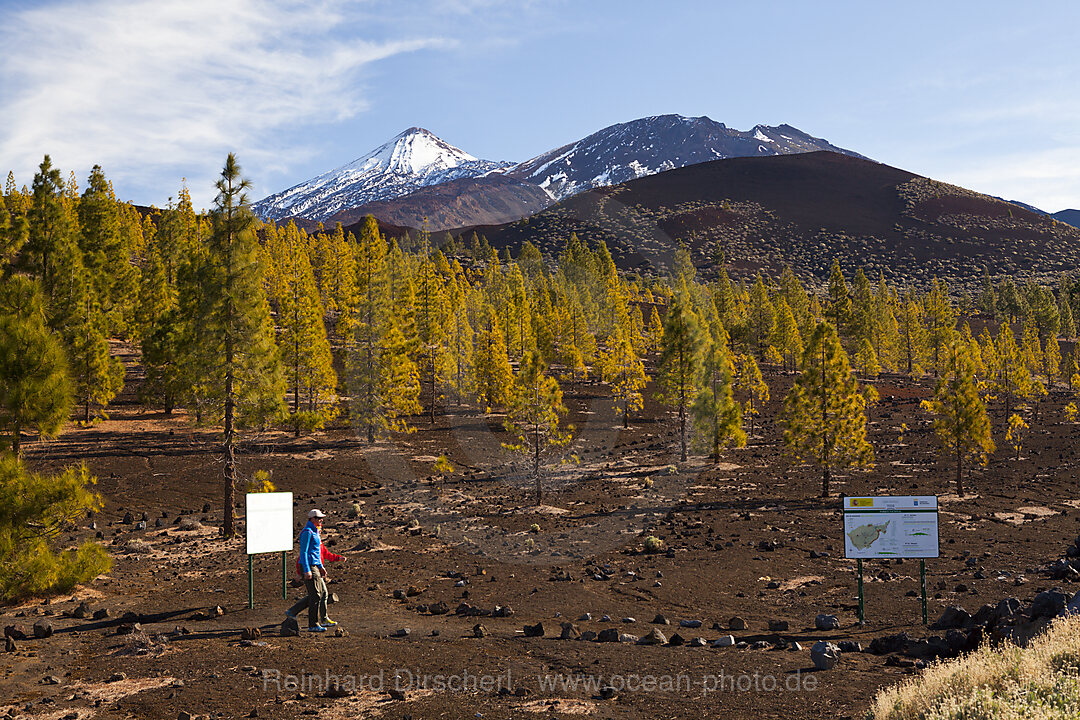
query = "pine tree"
x=1065 y=313
x=824 y=411
x=717 y=417
x=431 y=308
x=960 y=418
x=885 y=329
x=535 y=414
x=302 y=338
x=35 y=388
x=460 y=335
x=680 y=362
x=866 y=359
x=785 y=337
x=1015 y=434
x=12 y=234
x=1051 y=361
x=862 y=310
x=233 y=328
x=52 y=225
x=940 y=322
x=106 y=253
x=838 y=309
x=749 y=382
x=494 y=377
x=912 y=335
x=761 y=316
x=1008 y=372
x=623 y=371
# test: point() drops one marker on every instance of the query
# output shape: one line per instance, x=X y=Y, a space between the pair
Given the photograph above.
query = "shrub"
x=260 y=483
x=443 y=466
x=653 y=544
x=995 y=683
x=534 y=528
x=34 y=511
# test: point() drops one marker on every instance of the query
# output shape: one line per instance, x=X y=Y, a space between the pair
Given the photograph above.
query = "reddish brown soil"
x=1019 y=516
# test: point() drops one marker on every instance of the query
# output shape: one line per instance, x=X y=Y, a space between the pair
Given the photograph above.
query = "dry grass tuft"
x=1040 y=682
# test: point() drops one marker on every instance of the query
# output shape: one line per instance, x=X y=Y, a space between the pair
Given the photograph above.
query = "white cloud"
x=1049 y=179
x=153 y=91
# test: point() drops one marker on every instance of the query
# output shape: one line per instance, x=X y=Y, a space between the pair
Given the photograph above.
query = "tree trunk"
x=15 y=439
x=959 y=471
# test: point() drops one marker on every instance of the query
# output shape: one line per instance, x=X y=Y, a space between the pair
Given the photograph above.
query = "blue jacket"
x=310 y=548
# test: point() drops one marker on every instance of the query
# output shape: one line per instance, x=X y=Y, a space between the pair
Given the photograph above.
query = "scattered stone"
x=953 y=617
x=536 y=630
x=628 y=638
x=101 y=614
x=82 y=611
x=850 y=646
x=117 y=677
x=826 y=622
x=778 y=626
x=290 y=628
x=629 y=620
x=400 y=633
x=128 y=519
x=760 y=645
x=825 y=655
x=889 y=644
x=608 y=635
x=50 y=680
x=337 y=690
x=413 y=591
x=9 y=644
x=43 y=629
x=794 y=646
x=15 y=632
x=333 y=598
x=723 y=641
x=439 y=608
x=677 y=640
x=608 y=693
x=698 y=642
x=502 y=611
x=585 y=617
x=399 y=594
x=479 y=631
x=250 y=633
x=655 y=637
x=692 y=624
x=569 y=631
x=588 y=636
x=736 y=623
x=1048 y=604
x=660 y=620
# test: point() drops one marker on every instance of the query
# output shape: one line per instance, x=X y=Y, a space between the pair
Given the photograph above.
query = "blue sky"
x=982 y=94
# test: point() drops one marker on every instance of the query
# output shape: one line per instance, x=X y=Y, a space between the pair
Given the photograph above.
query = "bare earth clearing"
x=732 y=530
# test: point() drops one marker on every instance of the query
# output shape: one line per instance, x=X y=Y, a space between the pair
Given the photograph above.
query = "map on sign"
x=891 y=526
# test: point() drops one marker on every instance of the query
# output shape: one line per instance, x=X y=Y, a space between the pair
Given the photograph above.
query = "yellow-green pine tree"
x=535 y=414
x=824 y=411
x=717 y=416
x=752 y=386
x=960 y=419
x=680 y=362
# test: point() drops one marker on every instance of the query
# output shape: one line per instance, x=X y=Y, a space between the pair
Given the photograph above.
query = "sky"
x=982 y=94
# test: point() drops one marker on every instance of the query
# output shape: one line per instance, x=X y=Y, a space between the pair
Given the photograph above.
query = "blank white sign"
x=269 y=522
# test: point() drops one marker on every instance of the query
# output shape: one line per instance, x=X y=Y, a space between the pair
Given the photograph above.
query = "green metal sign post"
x=862 y=608
x=251 y=579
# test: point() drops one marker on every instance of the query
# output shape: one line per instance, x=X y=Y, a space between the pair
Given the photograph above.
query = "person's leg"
x=299 y=606
x=313 y=597
x=318 y=603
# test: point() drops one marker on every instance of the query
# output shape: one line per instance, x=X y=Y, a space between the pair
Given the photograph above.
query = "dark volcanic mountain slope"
x=804 y=210
x=488 y=200
x=654 y=144
x=1072 y=217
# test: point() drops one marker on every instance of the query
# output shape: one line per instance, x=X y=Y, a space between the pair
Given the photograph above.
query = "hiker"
x=312 y=553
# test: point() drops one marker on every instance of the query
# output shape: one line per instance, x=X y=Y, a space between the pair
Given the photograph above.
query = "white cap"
x=316 y=513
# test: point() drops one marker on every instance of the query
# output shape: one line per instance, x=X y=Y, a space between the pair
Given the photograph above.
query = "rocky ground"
x=467 y=583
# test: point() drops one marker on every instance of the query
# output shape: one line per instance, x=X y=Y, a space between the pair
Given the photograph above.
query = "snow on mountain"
x=654 y=144
x=412 y=160
x=417 y=159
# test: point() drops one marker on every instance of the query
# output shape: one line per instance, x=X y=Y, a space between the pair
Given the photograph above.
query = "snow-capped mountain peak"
x=411 y=160
x=654 y=144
